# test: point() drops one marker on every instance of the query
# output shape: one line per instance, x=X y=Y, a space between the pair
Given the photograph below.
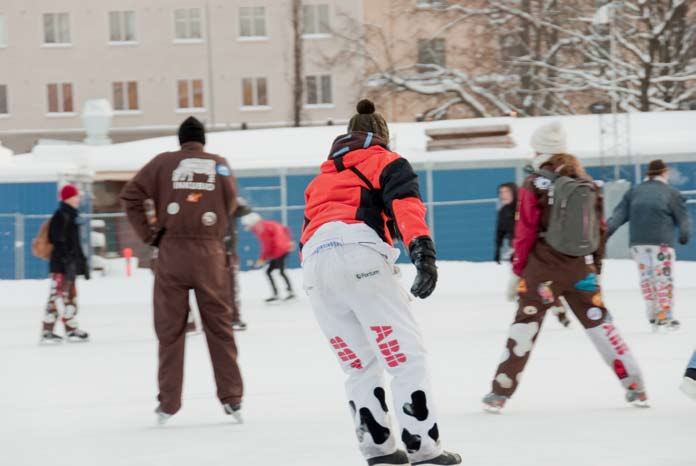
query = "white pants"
x=365 y=314
x=656 y=266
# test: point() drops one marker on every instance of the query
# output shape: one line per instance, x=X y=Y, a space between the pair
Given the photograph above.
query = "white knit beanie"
x=550 y=138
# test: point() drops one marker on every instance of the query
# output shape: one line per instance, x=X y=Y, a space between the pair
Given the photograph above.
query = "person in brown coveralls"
x=194 y=195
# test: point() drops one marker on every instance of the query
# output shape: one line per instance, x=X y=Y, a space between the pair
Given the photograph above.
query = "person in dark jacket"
x=505 y=225
x=655 y=212
x=66 y=263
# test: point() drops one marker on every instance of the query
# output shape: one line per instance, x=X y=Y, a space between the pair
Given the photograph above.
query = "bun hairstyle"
x=368 y=121
x=568 y=165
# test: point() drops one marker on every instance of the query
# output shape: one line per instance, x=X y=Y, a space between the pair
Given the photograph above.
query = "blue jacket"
x=655 y=211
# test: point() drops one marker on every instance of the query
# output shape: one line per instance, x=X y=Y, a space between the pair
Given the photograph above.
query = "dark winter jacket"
x=364 y=182
x=505 y=226
x=67 y=256
x=655 y=211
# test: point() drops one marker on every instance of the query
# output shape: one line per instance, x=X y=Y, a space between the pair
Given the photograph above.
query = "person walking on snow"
x=194 y=195
x=365 y=197
x=67 y=261
x=655 y=211
x=688 y=385
x=276 y=244
x=559 y=244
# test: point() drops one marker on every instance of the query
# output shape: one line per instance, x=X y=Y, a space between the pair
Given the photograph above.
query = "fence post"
x=283 y=197
x=19 y=247
x=430 y=198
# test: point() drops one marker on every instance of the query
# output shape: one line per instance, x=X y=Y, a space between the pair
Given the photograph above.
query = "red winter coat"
x=275 y=239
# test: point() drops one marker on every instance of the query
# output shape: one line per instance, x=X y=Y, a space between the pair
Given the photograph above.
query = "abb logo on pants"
x=615 y=339
x=390 y=348
x=345 y=353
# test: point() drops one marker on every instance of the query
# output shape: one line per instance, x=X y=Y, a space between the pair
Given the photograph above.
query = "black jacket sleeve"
x=58 y=236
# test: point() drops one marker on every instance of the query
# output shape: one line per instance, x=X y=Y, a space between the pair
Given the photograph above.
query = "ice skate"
x=637 y=397
x=397 y=458
x=77 y=336
x=235 y=411
x=290 y=296
x=688 y=385
x=273 y=299
x=50 y=338
x=444 y=459
x=672 y=325
x=493 y=403
x=239 y=326
x=658 y=324
x=162 y=417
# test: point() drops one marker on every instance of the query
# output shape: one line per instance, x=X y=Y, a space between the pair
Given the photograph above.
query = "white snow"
x=652 y=134
x=91 y=404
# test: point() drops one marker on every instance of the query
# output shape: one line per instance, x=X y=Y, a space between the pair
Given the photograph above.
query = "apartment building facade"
x=228 y=62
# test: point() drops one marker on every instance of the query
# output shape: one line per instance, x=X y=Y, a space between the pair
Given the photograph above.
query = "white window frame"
x=137 y=111
x=122 y=25
x=317 y=24
x=189 y=40
x=3 y=31
x=7 y=102
x=59 y=88
x=255 y=95
x=254 y=36
x=320 y=92
x=55 y=15
x=202 y=109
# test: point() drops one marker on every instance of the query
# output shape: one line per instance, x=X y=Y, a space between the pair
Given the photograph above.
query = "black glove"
x=87 y=273
x=423 y=257
x=683 y=240
x=496 y=258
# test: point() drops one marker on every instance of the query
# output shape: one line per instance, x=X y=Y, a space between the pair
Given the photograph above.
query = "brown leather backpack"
x=41 y=246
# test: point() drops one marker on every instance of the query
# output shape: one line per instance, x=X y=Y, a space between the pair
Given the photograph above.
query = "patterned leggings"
x=64 y=290
x=655 y=264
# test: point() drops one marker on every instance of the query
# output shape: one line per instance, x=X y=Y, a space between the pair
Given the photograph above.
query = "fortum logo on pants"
x=362 y=275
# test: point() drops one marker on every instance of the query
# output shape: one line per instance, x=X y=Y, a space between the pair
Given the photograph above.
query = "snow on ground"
x=91 y=404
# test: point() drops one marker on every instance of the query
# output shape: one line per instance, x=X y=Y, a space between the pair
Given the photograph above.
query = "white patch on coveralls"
x=173 y=208
x=530 y=310
x=505 y=356
x=504 y=381
x=523 y=336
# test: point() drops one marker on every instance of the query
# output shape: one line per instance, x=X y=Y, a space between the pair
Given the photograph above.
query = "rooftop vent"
x=477 y=137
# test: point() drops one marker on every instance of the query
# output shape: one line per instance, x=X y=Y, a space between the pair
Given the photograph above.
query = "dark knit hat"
x=368 y=121
x=68 y=191
x=191 y=130
x=656 y=168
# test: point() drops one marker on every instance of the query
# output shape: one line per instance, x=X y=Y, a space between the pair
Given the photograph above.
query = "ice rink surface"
x=92 y=404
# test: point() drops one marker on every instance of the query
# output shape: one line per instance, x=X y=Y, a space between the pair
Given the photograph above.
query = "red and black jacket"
x=364 y=182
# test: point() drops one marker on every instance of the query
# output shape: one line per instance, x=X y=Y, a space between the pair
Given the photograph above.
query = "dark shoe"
x=77 y=336
x=673 y=325
x=239 y=326
x=48 y=337
x=399 y=458
x=273 y=299
x=235 y=411
x=446 y=458
x=290 y=296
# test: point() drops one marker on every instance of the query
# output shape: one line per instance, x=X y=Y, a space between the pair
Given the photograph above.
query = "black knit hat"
x=656 y=168
x=368 y=121
x=191 y=130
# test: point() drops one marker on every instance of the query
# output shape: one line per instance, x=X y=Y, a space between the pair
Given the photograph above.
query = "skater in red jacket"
x=276 y=244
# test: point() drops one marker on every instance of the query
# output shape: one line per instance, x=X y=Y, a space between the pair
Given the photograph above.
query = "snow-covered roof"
x=652 y=134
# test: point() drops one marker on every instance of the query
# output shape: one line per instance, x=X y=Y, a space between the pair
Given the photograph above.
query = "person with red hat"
x=67 y=261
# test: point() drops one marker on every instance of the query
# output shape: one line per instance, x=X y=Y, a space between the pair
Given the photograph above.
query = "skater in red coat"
x=276 y=244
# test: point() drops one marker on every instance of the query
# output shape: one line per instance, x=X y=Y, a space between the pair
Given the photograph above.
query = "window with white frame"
x=3 y=31
x=188 y=24
x=319 y=90
x=252 y=21
x=431 y=3
x=4 y=107
x=190 y=94
x=56 y=28
x=315 y=19
x=122 y=26
x=254 y=92
x=125 y=96
x=60 y=98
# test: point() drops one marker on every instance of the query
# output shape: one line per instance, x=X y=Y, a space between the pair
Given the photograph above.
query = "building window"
x=190 y=92
x=187 y=24
x=431 y=52
x=315 y=19
x=431 y=3
x=122 y=26
x=254 y=92
x=3 y=31
x=4 y=108
x=56 y=28
x=125 y=96
x=319 y=90
x=60 y=98
x=252 y=21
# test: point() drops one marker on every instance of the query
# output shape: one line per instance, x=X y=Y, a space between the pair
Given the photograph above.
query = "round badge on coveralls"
x=173 y=208
x=209 y=219
x=594 y=313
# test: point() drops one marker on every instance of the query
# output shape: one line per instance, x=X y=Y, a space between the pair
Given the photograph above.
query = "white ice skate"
x=162 y=417
x=235 y=411
x=637 y=397
x=493 y=403
x=688 y=387
x=50 y=338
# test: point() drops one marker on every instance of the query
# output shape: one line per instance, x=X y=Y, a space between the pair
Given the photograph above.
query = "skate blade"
x=77 y=340
x=640 y=404
x=238 y=417
x=162 y=419
x=50 y=342
x=492 y=409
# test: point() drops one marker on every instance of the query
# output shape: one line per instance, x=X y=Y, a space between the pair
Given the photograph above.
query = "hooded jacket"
x=364 y=182
x=275 y=239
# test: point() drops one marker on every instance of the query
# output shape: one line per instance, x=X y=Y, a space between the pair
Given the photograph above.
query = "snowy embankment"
x=91 y=404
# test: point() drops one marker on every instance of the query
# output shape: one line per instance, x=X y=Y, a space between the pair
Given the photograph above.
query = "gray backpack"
x=573 y=225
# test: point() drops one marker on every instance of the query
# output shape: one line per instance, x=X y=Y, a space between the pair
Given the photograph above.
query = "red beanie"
x=68 y=191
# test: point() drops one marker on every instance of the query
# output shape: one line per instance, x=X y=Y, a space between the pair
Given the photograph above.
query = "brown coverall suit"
x=194 y=194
